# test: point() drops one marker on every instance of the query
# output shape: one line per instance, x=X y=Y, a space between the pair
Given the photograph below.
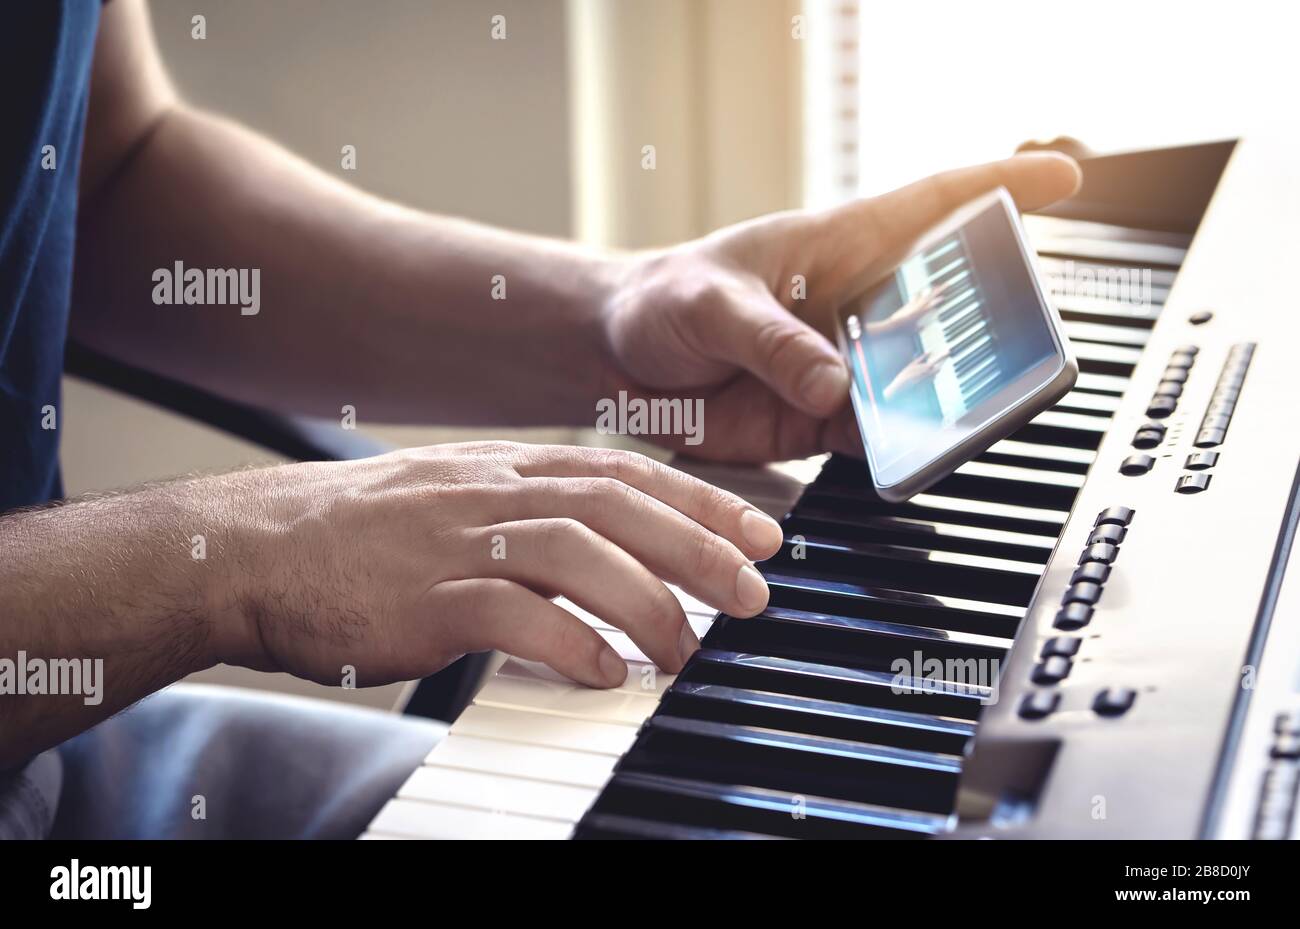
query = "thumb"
x=753 y=331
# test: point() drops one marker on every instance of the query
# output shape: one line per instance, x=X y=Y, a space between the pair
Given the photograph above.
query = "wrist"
x=230 y=558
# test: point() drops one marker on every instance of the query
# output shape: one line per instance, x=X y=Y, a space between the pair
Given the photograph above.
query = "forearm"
x=362 y=303
x=113 y=580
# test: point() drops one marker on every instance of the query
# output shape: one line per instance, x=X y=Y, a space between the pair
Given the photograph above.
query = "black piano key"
x=919 y=533
x=955 y=305
x=829 y=682
x=957 y=349
x=1088 y=404
x=979 y=394
x=1134 y=336
x=977 y=356
x=976 y=513
x=850 y=598
x=788 y=713
x=993 y=456
x=1021 y=487
x=792 y=814
x=1026 y=487
x=837 y=768
x=970 y=577
x=1096 y=358
x=848 y=641
x=963 y=324
x=1066 y=429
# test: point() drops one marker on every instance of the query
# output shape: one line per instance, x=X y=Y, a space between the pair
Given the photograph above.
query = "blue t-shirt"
x=45 y=56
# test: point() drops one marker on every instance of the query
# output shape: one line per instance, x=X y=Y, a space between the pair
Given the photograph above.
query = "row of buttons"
x=1163 y=403
x=1170 y=388
x=1089 y=578
x=1086 y=583
x=1278 y=790
x=1214 y=424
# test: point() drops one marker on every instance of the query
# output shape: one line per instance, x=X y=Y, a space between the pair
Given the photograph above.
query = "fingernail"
x=762 y=532
x=751 y=589
x=613 y=667
x=687 y=643
x=824 y=384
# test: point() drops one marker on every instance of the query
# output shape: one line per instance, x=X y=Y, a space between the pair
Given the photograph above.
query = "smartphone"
x=954 y=351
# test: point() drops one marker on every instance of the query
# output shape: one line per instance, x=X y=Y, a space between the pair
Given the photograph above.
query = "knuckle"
x=665 y=611
x=562 y=536
x=706 y=554
x=570 y=639
x=615 y=463
x=608 y=492
x=778 y=339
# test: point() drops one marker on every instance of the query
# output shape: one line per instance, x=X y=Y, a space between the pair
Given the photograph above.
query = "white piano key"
x=420 y=819
x=643 y=679
x=493 y=756
x=566 y=700
x=691 y=605
x=495 y=792
x=532 y=728
x=699 y=615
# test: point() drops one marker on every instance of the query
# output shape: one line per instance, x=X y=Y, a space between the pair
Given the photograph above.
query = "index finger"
x=1034 y=180
x=753 y=532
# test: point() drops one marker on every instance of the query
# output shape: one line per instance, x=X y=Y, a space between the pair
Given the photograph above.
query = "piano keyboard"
x=792 y=724
x=960 y=327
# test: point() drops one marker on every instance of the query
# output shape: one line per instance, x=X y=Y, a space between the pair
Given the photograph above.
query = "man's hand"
x=393 y=566
x=742 y=317
x=400 y=564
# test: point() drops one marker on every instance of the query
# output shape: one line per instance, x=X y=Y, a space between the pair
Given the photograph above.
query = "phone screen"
x=956 y=336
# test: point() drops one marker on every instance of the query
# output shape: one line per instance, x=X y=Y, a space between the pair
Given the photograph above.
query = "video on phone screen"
x=955 y=324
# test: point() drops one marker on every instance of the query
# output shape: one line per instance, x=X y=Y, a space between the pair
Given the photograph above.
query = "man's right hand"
x=399 y=564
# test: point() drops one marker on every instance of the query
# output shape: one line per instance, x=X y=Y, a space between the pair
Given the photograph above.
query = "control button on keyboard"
x=1109 y=534
x=1039 y=703
x=1193 y=483
x=1083 y=592
x=1093 y=571
x=1177 y=375
x=1065 y=645
x=1181 y=360
x=1200 y=317
x=1115 y=515
x=1192 y=350
x=1134 y=465
x=1170 y=388
x=1286 y=746
x=1051 y=670
x=1102 y=552
x=1073 y=616
x=1148 y=438
x=1114 y=701
x=1199 y=461
x=1160 y=406
x=1209 y=438
x=1287 y=723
